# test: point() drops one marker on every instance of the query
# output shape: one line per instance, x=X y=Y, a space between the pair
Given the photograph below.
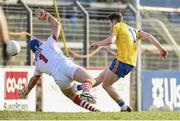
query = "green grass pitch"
x=14 y=115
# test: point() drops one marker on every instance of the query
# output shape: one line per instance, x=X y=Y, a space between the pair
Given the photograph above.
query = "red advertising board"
x=14 y=80
x=11 y=80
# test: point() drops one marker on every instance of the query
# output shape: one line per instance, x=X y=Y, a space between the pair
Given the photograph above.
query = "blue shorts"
x=119 y=68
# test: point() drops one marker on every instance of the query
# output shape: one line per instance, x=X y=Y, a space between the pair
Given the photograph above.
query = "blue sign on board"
x=160 y=89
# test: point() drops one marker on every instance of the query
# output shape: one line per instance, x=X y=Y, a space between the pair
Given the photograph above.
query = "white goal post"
x=161 y=9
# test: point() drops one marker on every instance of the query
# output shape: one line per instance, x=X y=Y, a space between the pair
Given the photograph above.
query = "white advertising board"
x=55 y=101
x=11 y=80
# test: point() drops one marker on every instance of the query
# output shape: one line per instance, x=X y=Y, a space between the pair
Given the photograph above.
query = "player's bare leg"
x=87 y=81
x=98 y=81
x=4 y=36
x=107 y=85
x=108 y=82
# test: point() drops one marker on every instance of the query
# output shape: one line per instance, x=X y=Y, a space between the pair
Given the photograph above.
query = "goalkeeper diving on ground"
x=49 y=59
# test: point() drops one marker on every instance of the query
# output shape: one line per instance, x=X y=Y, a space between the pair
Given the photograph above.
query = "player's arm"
x=106 y=42
x=55 y=26
x=44 y=15
x=109 y=40
x=25 y=91
x=153 y=40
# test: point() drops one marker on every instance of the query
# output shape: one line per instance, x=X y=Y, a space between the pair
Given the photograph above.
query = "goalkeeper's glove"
x=42 y=14
x=23 y=93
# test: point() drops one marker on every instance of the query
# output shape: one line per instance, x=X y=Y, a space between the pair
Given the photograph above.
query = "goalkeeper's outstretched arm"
x=25 y=91
x=44 y=15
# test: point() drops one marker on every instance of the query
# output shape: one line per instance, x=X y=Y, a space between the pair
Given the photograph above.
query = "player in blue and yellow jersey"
x=126 y=38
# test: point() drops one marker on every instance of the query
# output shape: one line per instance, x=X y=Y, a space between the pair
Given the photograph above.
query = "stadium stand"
x=72 y=21
x=17 y=22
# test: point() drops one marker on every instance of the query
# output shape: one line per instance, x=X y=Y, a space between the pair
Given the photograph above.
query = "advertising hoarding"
x=161 y=89
x=11 y=80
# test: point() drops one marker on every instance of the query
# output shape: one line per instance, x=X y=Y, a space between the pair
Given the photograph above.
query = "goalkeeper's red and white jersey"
x=48 y=58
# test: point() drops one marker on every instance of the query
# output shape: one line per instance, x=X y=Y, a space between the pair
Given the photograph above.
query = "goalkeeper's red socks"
x=86 y=86
x=84 y=104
